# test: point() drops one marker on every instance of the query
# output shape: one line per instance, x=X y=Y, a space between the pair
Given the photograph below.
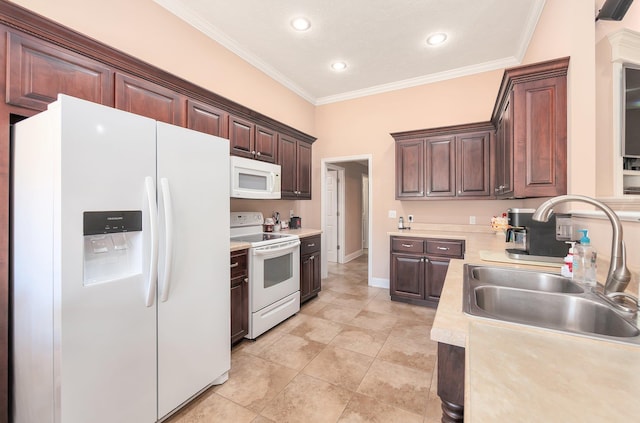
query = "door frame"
x=340 y=226
x=323 y=170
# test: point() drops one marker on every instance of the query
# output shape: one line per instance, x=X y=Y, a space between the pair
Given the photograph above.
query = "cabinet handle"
x=253 y=152
x=246 y=280
x=407 y=245
x=236 y=264
x=421 y=192
x=258 y=154
x=313 y=244
x=422 y=259
x=443 y=248
x=312 y=257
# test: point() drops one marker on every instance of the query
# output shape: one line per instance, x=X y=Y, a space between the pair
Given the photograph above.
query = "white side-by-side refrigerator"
x=120 y=262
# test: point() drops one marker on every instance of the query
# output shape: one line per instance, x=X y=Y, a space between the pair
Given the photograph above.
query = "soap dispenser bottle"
x=567 y=267
x=585 y=257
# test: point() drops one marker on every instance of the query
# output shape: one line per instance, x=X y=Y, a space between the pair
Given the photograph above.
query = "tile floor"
x=350 y=355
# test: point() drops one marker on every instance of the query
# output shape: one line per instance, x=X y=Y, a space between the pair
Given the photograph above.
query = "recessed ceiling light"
x=338 y=66
x=301 y=24
x=435 y=39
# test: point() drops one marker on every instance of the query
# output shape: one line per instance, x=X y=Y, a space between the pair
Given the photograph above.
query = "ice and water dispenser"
x=112 y=245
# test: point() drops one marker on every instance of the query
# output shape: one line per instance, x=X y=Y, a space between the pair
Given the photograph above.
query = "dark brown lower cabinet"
x=419 y=268
x=239 y=296
x=451 y=382
x=310 y=277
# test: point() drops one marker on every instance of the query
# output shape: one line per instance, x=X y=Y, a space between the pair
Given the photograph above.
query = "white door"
x=331 y=214
x=365 y=211
x=193 y=283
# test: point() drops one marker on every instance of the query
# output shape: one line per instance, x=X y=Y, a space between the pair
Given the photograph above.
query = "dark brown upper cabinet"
x=208 y=119
x=37 y=71
x=531 y=120
x=294 y=158
x=445 y=163
x=145 y=98
x=247 y=139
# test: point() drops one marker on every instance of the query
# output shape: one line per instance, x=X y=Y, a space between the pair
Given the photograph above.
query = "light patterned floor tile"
x=340 y=367
x=362 y=409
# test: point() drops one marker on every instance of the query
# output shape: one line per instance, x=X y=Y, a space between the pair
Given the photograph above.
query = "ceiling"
x=383 y=42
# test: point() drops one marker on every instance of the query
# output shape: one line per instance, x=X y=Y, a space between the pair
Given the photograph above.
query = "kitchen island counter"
x=521 y=373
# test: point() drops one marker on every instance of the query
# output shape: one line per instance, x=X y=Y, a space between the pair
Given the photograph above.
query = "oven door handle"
x=259 y=251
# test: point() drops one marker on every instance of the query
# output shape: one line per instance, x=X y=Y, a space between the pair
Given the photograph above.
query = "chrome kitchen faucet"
x=619 y=276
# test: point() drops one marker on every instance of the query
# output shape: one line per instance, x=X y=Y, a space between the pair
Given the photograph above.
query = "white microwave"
x=254 y=179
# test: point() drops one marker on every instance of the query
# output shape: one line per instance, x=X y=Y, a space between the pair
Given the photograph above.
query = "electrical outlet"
x=410 y=218
x=392 y=214
x=472 y=220
x=290 y=213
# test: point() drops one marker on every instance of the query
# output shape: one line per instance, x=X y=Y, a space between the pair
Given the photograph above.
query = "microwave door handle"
x=289 y=246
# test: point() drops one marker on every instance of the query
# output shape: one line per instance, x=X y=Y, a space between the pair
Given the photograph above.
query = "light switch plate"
x=392 y=214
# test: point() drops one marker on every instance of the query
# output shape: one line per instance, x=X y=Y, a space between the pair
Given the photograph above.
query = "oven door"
x=274 y=273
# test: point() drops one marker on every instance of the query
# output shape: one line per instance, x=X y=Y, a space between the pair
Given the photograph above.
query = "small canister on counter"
x=295 y=222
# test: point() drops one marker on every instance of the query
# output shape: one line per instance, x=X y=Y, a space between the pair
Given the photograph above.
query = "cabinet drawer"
x=310 y=245
x=445 y=248
x=407 y=245
x=238 y=264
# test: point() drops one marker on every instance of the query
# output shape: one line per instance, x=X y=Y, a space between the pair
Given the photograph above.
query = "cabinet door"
x=410 y=169
x=241 y=137
x=540 y=160
x=239 y=296
x=239 y=308
x=38 y=71
x=266 y=144
x=473 y=165
x=208 y=119
x=303 y=171
x=287 y=153
x=436 y=274
x=148 y=99
x=407 y=276
x=504 y=152
x=306 y=276
x=440 y=159
x=316 y=281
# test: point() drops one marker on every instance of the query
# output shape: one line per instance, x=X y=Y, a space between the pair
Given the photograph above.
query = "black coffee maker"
x=534 y=240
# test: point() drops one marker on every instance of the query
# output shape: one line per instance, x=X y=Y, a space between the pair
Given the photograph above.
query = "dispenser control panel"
x=110 y=222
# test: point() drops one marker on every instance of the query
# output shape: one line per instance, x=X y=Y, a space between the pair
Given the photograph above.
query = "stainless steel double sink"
x=545 y=300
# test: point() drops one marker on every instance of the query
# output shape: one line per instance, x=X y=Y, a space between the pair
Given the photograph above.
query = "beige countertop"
x=526 y=374
x=302 y=233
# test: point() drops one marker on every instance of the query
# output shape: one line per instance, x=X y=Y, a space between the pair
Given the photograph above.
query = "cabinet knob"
x=246 y=280
x=253 y=152
x=236 y=264
x=258 y=154
x=312 y=258
x=459 y=191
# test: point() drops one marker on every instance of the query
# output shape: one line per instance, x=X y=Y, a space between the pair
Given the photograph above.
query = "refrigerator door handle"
x=153 y=223
x=168 y=227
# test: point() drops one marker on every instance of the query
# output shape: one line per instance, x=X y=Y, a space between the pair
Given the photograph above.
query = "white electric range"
x=274 y=272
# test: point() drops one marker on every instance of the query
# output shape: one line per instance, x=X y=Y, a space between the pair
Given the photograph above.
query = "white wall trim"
x=379 y=282
x=353 y=256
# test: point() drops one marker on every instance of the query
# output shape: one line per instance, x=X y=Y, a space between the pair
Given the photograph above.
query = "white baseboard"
x=353 y=256
x=379 y=282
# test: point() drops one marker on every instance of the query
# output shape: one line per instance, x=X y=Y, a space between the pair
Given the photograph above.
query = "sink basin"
x=553 y=311
x=544 y=300
x=525 y=279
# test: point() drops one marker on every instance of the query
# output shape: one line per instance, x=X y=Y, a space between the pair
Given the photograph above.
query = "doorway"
x=346 y=203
